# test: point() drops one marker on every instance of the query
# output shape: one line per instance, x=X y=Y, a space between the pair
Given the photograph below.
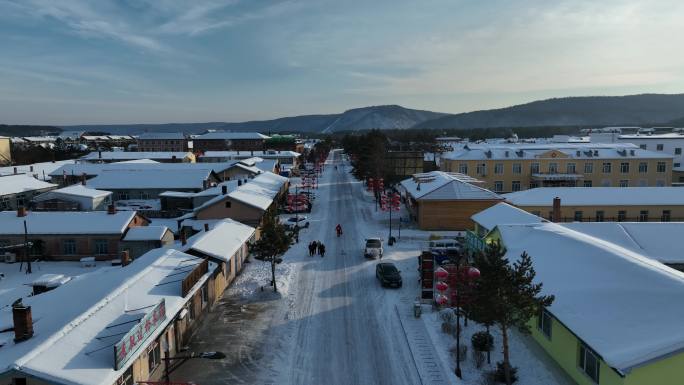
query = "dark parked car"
x=388 y=274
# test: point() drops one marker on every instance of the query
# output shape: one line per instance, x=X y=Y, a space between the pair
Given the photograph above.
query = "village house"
x=68 y=235
x=112 y=326
x=139 y=240
x=238 y=141
x=445 y=201
x=619 y=325
x=599 y=204
x=18 y=190
x=162 y=141
x=72 y=198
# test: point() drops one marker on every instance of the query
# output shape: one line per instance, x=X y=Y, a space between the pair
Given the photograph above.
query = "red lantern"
x=441 y=286
x=441 y=300
x=473 y=273
x=440 y=273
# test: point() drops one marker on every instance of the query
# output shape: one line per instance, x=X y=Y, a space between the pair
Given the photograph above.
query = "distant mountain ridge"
x=644 y=109
x=586 y=111
x=381 y=117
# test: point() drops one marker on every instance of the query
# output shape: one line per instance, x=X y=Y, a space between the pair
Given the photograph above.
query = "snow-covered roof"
x=130 y=155
x=65 y=222
x=20 y=183
x=151 y=179
x=513 y=151
x=142 y=161
x=625 y=306
x=258 y=192
x=73 y=342
x=248 y=154
x=222 y=241
x=440 y=185
x=177 y=194
x=96 y=168
x=651 y=239
x=146 y=233
x=598 y=196
x=503 y=213
x=231 y=136
x=161 y=136
x=231 y=185
x=667 y=135
x=36 y=169
x=74 y=190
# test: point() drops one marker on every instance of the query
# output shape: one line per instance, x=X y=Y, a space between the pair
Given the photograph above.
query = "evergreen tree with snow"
x=507 y=296
x=274 y=242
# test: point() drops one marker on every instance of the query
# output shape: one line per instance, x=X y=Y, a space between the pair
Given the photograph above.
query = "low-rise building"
x=139 y=240
x=68 y=235
x=111 y=326
x=119 y=156
x=18 y=190
x=445 y=201
x=149 y=183
x=511 y=167
x=284 y=158
x=616 y=317
x=72 y=198
x=220 y=141
x=162 y=141
x=599 y=204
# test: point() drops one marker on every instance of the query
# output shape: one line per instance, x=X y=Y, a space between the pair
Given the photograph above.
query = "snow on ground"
x=16 y=284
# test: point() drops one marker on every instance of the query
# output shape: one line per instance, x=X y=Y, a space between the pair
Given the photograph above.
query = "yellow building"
x=603 y=204
x=5 y=153
x=514 y=167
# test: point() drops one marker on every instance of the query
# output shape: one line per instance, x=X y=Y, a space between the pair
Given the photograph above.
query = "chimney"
x=206 y=227
x=83 y=179
x=239 y=182
x=204 y=184
x=111 y=209
x=252 y=153
x=21 y=211
x=15 y=171
x=556 y=213
x=23 y=322
x=224 y=189
x=31 y=168
x=125 y=258
x=183 y=239
x=99 y=154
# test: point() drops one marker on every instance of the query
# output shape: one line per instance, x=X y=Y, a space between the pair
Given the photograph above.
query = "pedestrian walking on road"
x=321 y=249
x=312 y=248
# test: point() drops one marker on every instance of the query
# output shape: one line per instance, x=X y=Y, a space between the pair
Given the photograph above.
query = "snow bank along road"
x=333 y=325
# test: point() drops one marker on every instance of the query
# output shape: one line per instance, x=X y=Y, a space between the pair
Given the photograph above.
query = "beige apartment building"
x=514 y=167
x=603 y=204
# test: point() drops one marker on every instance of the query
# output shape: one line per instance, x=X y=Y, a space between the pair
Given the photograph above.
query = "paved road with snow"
x=332 y=324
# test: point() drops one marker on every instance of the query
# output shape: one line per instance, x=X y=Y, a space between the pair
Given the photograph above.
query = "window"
x=553 y=168
x=21 y=199
x=622 y=216
x=498 y=169
x=677 y=165
x=101 y=246
x=588 y=168
x=607 y=167
x=481 y=169
x=153 y=356
x=589 y=362
x=599 y=216
x=659 y=147
x=643 y=167
x=544 y=323
x=498 y=186
x=587 y=183
x=624 y=183
x=643 y=216
x=578 y=216
x=4 y=203
x=515 y=185
x=661 y=167
x=534 y=184
x=534 y=168
x=642 y=146
x=126 y=378
x=463 y=168
x=678 y=151
x=228 y=204
x=69 y=246
x=624 y=167
x=667 y=215
x=570 y=168
x=517 y=168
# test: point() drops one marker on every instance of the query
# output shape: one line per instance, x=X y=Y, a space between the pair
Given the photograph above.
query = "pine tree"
x=274 y=242
x=507 y=296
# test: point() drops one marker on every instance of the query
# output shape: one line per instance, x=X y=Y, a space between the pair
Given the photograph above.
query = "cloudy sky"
x=100 y=61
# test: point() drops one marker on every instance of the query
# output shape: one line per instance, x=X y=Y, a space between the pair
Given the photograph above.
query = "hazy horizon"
x=142 y=61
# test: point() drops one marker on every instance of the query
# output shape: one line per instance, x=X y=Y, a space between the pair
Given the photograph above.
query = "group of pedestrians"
x=316 y=247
